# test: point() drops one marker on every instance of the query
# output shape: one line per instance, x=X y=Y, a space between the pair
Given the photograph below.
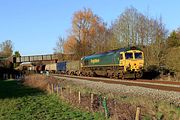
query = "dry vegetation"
x=38 y=81
x=119 y=107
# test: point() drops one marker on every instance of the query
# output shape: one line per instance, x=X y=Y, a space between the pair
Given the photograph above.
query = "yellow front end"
x=132 y=60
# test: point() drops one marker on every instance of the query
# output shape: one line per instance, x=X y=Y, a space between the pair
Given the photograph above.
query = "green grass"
x=18 y=102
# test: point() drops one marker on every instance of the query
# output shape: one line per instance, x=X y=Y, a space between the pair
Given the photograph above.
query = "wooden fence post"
x=137 y=113
x=69 y=98
x=79 y=97
x=115 y=110
x=61 y=91
x=92 y=100
x=48 y=88
x=57 y=89
x=11 y=76
x=52 y=88
x=70 y=91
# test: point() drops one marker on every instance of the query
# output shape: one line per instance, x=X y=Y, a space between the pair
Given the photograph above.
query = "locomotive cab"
x=132 y=61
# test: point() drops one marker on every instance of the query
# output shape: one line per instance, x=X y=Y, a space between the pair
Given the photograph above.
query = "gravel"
x=169 y=96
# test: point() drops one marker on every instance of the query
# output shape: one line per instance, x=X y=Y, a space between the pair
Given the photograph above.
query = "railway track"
x=152 y=84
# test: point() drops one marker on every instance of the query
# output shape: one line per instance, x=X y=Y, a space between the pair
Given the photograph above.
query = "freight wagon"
x=68 y=67
x=56 y=67
x=61 y=67
x=73 y=67
x=51 y=68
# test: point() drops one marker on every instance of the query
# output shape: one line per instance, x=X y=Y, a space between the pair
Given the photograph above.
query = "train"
x=114 y=64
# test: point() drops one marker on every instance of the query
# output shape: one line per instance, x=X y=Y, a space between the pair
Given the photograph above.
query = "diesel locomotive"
x=115 y=63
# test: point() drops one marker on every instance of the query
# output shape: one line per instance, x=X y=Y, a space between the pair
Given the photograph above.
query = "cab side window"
x=86 y=62
x=121 y=57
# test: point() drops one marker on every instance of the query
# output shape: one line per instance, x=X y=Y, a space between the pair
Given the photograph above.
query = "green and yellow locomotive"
x=115 y=63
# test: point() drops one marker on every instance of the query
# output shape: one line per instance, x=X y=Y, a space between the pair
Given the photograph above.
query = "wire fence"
x=95 y=103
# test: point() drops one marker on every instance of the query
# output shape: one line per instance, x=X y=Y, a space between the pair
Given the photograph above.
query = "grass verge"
x=19 y=102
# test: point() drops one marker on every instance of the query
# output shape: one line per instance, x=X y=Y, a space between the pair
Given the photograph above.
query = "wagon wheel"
x=92 y=74
x=78 y=73
x=89 y=74
x=71 y=73
x=81 y=74
x=67 y=72
x=86 y=74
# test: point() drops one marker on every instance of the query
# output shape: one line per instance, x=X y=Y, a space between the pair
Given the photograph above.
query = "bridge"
x=37 y=58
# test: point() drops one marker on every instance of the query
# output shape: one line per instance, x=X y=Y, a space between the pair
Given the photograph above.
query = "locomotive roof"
x=111 y=52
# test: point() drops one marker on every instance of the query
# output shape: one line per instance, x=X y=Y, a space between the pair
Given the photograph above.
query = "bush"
x=172 y=61
x=36 y=81
x=151 y=72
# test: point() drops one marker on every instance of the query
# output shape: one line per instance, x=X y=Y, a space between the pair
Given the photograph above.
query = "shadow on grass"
x=14 y=89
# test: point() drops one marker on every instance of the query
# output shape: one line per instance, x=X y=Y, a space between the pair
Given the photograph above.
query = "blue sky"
x=35 y=25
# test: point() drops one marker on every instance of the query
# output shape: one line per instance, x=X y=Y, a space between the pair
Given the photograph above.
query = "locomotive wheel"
x=114 y=75
x=107 y=75
x=121 y=75
x=89 y=74
x=111 y=75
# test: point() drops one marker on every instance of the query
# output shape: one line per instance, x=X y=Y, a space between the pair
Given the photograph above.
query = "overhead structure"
x=47 y=57
x=35 y=58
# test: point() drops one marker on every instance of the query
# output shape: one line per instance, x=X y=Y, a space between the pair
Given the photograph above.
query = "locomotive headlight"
x=140 y=65
x=128 y=67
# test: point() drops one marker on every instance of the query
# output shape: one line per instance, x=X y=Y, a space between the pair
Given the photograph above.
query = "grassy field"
x=18 y=102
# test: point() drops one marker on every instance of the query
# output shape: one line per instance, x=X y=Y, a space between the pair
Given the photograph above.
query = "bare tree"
x=135 y=29
x=59 y=45
x=125 y=27
x=6 y=48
